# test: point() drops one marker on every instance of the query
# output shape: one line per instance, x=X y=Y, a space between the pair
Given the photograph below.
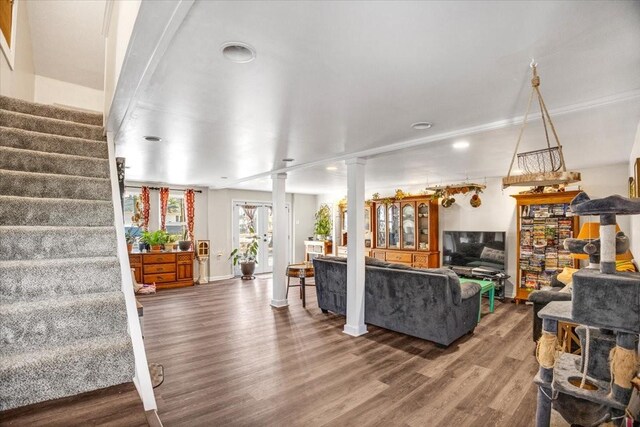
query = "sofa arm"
x=469 y=290
x=545 y=297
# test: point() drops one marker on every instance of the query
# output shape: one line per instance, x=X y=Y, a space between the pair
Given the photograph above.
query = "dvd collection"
x=543 y=229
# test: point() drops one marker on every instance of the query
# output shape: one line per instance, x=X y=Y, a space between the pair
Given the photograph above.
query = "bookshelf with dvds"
x=544 y=221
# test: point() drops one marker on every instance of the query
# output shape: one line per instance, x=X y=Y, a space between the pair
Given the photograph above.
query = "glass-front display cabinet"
x=406 y=231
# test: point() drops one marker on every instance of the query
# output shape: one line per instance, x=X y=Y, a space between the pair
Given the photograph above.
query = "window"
x=176 y=220
x=129 y=206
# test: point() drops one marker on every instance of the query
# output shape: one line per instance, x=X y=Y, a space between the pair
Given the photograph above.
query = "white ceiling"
x=334 y=80
x=67 y=40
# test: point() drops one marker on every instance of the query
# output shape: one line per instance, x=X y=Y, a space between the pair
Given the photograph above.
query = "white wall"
x=634 y=220
x=19 y=82
x=51 y=91
x=120 y=26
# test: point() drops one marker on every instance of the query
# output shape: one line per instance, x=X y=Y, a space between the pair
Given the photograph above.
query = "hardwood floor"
x=230 y=359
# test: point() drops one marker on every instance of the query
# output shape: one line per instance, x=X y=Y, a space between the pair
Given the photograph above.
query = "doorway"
x=251 y=218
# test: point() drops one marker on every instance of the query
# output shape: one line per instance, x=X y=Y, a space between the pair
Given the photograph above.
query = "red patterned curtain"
x=164 y=199
x=190 y=200
x=144 y=199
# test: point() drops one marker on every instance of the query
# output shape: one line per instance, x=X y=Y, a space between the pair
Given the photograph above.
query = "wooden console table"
x=166 y=269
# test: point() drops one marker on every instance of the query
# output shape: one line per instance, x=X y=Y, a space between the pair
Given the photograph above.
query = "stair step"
x=50 y=126
x=54 y=372
x=29 y=325
x=23 y=242
x=30 y=184
x=31 y=280
x=52 y=111
x=63 y=164
x=55 y=212
x=37 y=141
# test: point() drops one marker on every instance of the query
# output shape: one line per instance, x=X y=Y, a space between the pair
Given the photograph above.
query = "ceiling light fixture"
x=224 y=177
x=422 y=125
x=153 y=138
x=332 y=168
x=238 y=52
x=288 y=160
x=460 y=145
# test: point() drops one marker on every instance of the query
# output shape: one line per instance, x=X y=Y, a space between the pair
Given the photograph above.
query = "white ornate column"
x=280 y=241
x=355 y=248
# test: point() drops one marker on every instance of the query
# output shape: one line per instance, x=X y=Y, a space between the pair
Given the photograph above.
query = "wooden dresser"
x=166 y=269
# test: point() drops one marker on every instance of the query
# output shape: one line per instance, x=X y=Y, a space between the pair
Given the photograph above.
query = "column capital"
x=356 y=161
x=281 y=175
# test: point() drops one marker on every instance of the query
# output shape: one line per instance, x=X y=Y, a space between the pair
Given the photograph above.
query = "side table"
x=486 y=287
x=302 y=271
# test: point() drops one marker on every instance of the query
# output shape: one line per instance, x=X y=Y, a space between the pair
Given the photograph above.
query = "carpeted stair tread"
x=28 y=325
x=62 y=164
x=35 y=211
x=30 y=184
x=52 y=126
x=37 y=141
x=59 y=371
x=35 y=280
x=56 y=242
x=51 y=111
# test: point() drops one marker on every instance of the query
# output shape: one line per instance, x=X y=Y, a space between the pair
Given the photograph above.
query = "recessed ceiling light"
x=288 y=159
x=238 y=52
x=460 y=145
x=421 y=125
x=224 y=177
x=332 y=168
x=153 y=138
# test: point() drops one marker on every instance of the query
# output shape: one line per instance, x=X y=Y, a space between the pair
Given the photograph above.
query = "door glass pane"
x=381 y=227
x=268 y=239
x=423 y=226
x=247 y=225
x=394 y=226
x=408 y=227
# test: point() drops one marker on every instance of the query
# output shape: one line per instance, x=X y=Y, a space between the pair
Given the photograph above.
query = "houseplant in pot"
x=155 y=239
x=323 y=225
x=246 y=257
x=130 y=237
x=185 y=243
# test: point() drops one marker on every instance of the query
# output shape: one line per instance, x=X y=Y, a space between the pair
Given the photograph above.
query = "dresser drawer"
x=159 y=268
x=185 y=258
x=421 y=259
x=135 y=260
x=399 y=257
x=159 y=278
x=158 y=258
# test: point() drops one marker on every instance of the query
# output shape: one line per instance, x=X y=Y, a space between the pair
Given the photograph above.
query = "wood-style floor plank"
x=231 y=359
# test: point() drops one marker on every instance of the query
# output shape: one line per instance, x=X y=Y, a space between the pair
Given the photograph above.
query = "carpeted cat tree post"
x=596 y=386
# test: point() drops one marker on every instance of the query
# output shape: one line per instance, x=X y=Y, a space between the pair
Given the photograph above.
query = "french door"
x=256 y=219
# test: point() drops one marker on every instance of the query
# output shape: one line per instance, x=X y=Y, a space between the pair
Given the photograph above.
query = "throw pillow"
x=566 y=276
x=625 y=266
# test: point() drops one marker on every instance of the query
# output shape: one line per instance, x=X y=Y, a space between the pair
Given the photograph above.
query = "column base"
x=355 y=331
x=279 y=303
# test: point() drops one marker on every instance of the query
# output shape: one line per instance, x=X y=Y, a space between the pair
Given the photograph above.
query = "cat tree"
x=596 y=386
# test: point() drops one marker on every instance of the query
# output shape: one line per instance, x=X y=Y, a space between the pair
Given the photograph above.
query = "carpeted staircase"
x=63 y=321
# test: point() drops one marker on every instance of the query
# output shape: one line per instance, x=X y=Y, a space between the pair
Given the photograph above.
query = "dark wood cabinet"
x=165 y=269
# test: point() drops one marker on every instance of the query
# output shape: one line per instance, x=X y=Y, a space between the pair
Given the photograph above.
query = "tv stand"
x=496 y=276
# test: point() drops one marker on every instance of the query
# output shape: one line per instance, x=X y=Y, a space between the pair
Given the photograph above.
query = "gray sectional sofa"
x=424 y=303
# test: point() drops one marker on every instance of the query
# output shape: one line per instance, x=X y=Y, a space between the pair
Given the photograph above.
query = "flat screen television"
x=484 y=249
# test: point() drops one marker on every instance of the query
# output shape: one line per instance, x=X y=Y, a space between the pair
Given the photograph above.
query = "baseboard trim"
x=279 y=303
x=355 y=331
x=218 y=278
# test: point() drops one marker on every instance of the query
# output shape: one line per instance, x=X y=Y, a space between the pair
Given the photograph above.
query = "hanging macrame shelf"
x=543 y=167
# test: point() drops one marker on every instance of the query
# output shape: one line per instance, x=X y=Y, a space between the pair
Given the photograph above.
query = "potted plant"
x=130 y=237
x=185 y=243
x=171 y=242
x=247 y=257
x=323 y=225
x=155 y=239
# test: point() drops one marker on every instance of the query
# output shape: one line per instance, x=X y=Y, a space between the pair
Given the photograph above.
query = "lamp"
x=591 y=231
